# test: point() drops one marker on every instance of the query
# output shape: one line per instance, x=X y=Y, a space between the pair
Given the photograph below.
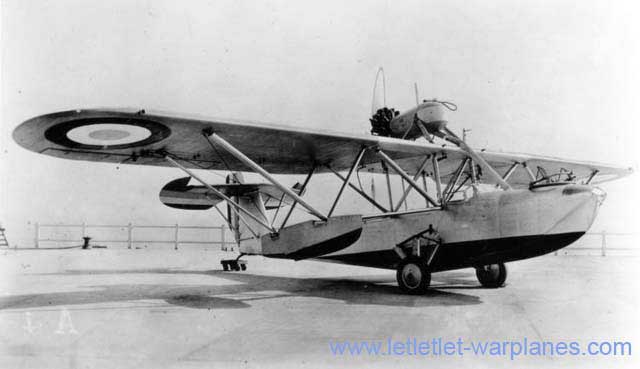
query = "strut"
x=346 y=180
x=304 y=186
x=234 y=206
x=415 y=178
x=510 y=171
x=591 y=176
x=406 y=177
x=214 y=138
x=360 y=192
x=444 y=133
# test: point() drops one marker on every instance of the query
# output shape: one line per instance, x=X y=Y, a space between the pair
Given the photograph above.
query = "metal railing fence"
x=128 y=234
x=603 y=243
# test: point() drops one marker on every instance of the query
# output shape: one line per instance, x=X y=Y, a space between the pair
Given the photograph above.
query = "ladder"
x=3 y=239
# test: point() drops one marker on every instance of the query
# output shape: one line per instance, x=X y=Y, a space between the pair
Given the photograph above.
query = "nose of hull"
x=549 y=210
x=580 y=205
x=573 y=189
x=546 y=219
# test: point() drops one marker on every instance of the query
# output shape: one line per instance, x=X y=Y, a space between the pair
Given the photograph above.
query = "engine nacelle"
x=430 y=113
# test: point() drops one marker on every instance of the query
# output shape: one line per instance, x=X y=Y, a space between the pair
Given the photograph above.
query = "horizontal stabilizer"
x=179 y=194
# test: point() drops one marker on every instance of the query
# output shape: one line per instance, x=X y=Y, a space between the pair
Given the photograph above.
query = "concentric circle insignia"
x=107 y=133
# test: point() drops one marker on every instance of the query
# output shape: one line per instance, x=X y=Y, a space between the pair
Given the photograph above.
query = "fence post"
x=37 y=238
x=604 y=243
x=129 y=238
x=177 y=230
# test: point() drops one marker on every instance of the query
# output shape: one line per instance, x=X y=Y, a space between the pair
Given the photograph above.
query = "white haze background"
x=556 y=78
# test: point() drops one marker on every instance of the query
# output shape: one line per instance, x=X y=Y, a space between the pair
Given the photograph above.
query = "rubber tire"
x=243 y=266
x=494 y=278
x=422 y=285
x=225 y=266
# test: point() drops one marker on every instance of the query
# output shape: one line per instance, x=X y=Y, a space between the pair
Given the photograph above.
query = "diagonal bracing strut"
x=446 y=134
x=406 y=177
x=346 y=180
x=510 y=171
x=304 y=186
x=233 y=204
x=415 y=178
x=591 y=176
x=449 y=190
x=360 y=192
x=214 y=138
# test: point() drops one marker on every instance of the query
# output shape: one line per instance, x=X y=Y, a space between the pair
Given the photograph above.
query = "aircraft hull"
x=490 y=228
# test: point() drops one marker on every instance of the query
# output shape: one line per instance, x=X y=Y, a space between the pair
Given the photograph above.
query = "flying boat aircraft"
x=478 y=209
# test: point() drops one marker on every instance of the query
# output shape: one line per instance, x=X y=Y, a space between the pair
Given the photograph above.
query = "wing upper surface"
x=143 y=138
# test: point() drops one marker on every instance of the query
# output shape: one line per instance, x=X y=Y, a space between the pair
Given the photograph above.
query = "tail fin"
x=252 y=202
x=234 y=219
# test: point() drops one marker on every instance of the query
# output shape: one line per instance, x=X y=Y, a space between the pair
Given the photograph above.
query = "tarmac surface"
x=110 y=308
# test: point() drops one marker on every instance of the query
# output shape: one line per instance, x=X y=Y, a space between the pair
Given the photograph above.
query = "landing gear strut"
x=414 y=273
x=492 y=275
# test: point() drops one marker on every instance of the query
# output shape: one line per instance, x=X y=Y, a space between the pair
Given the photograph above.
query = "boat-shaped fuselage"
x=490 y=227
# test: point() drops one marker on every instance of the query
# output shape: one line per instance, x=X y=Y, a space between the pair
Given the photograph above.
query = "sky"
x=555 y=78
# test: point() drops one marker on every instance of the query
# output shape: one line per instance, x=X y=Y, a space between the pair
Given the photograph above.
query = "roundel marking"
x=107 y=133
x=101 y=134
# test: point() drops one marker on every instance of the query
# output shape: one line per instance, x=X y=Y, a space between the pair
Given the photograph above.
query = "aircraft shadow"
x=250 y=287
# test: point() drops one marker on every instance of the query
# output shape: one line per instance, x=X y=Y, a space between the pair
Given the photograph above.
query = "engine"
x=390 y=123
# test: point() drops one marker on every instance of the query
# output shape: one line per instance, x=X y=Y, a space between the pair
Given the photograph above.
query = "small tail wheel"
x=492 y=275
x=413 y=276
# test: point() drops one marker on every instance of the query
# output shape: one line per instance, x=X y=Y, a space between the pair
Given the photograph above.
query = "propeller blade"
x=379 y=99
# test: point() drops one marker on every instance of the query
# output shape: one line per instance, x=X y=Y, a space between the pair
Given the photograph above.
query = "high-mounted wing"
x=145 y=138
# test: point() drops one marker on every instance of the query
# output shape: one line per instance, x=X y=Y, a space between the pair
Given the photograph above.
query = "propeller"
x=428 y=117
x=376 y=103
x=381 y=115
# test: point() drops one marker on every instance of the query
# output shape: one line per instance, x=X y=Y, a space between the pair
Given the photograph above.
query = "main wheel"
x=413 y=276
x=492 y=276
